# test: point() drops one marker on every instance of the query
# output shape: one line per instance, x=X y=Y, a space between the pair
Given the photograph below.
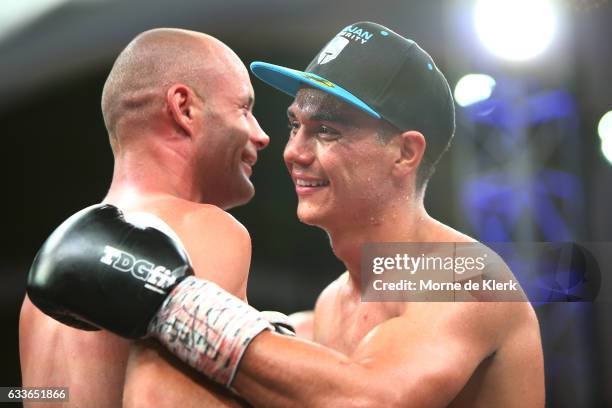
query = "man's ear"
x=180 y=101
x=411 y=148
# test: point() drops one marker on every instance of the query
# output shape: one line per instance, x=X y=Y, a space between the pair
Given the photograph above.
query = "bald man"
x=177 y=106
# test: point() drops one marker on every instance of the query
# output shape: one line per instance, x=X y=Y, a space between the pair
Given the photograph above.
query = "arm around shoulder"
x=421 y=359
x=219 y=249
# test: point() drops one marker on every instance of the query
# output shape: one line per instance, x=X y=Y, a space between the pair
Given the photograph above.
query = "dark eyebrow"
x=290 y=113
x=331 y=116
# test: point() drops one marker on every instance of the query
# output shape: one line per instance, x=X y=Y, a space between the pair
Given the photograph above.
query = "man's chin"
x=246 y=195
x=309 y=216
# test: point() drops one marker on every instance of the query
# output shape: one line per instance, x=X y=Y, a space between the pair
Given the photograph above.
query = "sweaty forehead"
x=316 y=102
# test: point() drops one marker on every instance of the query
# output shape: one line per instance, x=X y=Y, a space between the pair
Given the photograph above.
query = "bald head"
x=155 y=59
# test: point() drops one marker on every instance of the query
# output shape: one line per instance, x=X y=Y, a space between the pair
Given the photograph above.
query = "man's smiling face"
x=337 y=159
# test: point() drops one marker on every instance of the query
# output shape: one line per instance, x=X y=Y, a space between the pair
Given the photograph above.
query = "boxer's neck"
x=153 y=170
x=411 y=223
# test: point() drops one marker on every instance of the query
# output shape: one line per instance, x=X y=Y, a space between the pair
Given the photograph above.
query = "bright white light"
x=15 y=14
x=515 y=30
x=473 y=88
x=606 y=148
x=604 y=129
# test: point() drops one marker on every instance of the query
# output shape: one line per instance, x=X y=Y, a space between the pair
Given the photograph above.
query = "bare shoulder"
x=218 y=245
x=326 y=302
x=444 y=233
x=329 y=294
x=192 y=217
x=486 y=325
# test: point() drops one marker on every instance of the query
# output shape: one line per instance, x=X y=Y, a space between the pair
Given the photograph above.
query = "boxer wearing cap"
x=371 y=116
x=383 y=74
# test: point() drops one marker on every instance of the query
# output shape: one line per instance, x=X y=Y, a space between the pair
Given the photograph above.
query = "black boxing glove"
x=98 y=270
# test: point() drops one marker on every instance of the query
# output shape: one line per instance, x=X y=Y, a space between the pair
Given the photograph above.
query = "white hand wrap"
x=279 y=321
x=207 y=328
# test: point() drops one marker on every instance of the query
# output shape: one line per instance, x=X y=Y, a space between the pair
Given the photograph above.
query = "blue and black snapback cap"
x=378 y=71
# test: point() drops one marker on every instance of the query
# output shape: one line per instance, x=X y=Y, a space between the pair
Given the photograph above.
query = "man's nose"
x=298 y=150
x=259 y=138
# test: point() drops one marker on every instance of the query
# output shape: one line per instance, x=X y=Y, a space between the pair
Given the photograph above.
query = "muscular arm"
x=220 y=250
x=419 y=359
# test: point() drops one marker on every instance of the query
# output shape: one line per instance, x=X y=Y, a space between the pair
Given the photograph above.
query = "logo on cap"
x=357 y=34
x=318 y=79
x=332 y=50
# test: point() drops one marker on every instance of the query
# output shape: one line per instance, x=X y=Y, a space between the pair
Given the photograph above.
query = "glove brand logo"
x=157 y=278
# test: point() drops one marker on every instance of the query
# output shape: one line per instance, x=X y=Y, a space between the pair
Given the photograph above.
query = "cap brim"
x=290 y=80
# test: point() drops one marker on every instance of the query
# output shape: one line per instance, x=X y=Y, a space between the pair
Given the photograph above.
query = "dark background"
x=56 y=159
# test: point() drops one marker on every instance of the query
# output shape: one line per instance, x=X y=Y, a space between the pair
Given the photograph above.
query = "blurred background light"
x=604 y=128
x=515 y=30
x=16 y=14
x=473 y=88
x=606 y=147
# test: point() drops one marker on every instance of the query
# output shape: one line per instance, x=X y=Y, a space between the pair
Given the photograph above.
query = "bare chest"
x=343 y=327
